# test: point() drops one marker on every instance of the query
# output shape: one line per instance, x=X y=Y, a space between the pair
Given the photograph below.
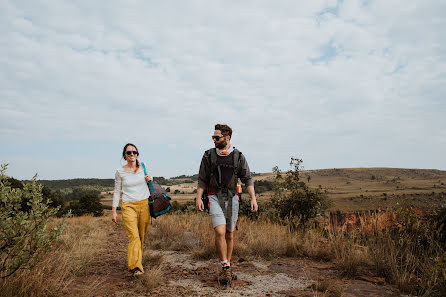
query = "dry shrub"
x=349 y=255
x=151 y=279
x=408 y=256
x=78 y=246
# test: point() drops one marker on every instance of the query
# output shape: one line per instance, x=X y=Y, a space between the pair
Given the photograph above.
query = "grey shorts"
x=218 y=216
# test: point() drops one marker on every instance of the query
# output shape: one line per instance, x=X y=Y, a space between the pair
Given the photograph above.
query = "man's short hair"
x=225 y=129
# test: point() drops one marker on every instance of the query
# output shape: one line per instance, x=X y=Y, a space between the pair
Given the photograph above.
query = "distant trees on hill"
x=192 y=177
x=78 y=182
x=263 y=186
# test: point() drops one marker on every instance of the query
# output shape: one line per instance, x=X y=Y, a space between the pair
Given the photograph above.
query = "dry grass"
x=71 y=257
x=413 y=265
x=403 y=262
x=261 y=238
x=151 y=279
x=325 y=288
x=349 y=255
x=151 y=259
x=83 y=242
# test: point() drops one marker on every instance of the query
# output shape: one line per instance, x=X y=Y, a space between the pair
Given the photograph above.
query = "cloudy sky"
x=336 y=83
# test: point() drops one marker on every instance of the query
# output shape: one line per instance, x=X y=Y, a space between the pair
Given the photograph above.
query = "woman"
x=131 y=182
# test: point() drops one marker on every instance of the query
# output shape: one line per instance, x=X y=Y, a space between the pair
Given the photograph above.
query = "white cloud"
x=337 y=83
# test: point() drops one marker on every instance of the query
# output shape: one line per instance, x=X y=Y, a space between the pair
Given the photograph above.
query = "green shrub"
x=25 y=233
x=294 y=201
x=89 y=203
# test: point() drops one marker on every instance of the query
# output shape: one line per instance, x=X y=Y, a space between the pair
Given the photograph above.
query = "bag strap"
x=149 y=183
x=144 y=167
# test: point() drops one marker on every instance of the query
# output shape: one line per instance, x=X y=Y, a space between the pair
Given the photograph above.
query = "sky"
x=340 y=84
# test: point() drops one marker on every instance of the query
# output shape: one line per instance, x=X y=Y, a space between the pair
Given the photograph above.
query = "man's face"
x=220 y=141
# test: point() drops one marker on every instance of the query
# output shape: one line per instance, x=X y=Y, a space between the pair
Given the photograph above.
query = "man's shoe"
x=224 y=277
x=232 y=274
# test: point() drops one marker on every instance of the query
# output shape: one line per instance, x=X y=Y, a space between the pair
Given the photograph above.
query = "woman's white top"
x=131 y=185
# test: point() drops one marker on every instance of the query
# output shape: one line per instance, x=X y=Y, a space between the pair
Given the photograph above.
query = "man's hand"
x=252 y=194
x=254 y=206
x=199 y=205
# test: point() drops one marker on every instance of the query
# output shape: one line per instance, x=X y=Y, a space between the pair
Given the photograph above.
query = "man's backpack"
x=215 y=168
x=159 y=200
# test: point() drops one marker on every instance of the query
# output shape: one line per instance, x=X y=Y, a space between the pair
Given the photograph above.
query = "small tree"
x=89 y=203
x=293 y=199
x=24 y=232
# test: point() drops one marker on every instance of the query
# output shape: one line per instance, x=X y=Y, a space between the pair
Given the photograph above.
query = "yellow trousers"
x=136 y=217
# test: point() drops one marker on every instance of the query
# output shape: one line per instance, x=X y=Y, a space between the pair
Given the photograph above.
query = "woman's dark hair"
x=137 y=153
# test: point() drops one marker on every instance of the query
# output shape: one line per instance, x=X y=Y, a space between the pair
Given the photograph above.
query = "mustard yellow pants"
x=136 y=218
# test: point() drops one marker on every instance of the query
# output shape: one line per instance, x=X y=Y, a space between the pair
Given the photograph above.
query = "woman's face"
x=132 y=156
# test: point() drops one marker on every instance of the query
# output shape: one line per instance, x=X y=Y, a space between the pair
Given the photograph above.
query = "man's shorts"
x=218 y=216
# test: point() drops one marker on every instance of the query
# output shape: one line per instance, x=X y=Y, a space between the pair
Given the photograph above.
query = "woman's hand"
x=148 y=178
x=114 y=215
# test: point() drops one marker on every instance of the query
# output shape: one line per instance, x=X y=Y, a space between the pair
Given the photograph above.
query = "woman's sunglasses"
x=217 y=138
x=128 y=153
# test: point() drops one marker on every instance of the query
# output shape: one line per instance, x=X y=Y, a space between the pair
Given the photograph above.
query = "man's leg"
x=229 y=237
x=221 y=243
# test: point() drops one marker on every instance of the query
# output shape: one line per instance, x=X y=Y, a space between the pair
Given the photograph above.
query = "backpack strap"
x=236 y=161
x=213 y=157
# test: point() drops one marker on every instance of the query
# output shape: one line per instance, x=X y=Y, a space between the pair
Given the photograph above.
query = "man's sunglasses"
x=216 y=137
x=128 y=153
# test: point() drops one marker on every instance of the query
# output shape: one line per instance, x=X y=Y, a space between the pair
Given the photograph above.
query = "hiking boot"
x=225 y=277
x=232 y=275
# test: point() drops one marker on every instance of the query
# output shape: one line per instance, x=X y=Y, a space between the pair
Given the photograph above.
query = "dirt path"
x=190 y=277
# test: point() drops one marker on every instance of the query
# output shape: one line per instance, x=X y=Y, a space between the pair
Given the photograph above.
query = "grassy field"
x=354 y=189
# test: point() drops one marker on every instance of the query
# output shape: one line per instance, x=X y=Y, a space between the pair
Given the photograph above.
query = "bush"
x=294 y=201
x=25 y=234
x=263 y=186
x=88 y=204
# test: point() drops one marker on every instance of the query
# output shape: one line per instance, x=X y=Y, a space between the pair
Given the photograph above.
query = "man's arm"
x=245 y=176
x=203 y=181
x=198 y=202
x=252 y=195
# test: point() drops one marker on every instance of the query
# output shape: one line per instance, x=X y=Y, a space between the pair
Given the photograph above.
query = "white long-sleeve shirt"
x=131 y=185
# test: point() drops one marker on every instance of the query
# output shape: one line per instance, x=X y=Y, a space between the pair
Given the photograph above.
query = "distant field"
x=353 y=189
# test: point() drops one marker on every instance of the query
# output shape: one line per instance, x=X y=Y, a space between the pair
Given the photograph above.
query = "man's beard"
x=221 y=145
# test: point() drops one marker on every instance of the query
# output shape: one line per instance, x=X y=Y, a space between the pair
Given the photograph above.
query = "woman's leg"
x=131 y=222
x=143 y=221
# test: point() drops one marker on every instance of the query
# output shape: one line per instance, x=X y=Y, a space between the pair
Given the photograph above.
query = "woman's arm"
x=116 y=196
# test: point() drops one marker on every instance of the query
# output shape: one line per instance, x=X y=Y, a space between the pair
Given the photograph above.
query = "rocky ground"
x=186 y=276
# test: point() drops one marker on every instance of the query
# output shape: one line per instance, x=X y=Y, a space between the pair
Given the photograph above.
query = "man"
x=220 y=169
